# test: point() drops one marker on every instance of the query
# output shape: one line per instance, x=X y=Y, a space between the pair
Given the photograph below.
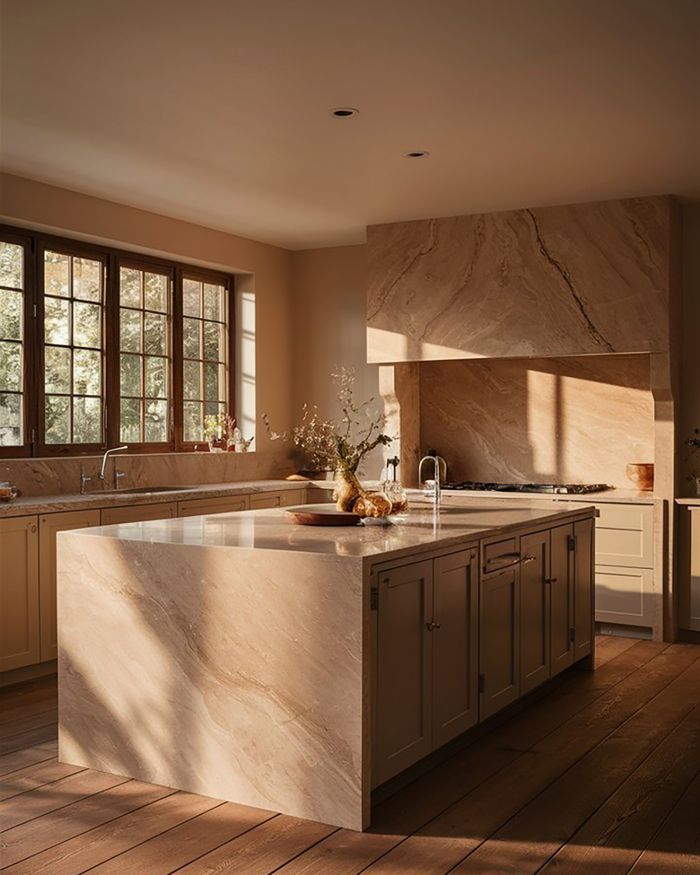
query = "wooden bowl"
x=321 y=515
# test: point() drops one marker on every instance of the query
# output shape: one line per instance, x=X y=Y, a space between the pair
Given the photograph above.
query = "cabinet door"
x=265 y=499
x=19 y=592
x=689 y=568
x=624 y=595
x=139 y=513
x=49 y=525
x=561 y=599
x=534 y=611
x=499 y=644
x=197 y=506
x=455 y=645
x=583 y=588
x=403 y=669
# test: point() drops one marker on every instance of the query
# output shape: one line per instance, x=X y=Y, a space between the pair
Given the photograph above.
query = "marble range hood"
x=585 y=279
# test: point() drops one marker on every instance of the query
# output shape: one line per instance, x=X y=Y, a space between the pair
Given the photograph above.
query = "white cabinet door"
x=624 y=595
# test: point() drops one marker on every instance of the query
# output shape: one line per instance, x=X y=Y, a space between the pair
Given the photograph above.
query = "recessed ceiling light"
x=344 y=112
x=416 y=153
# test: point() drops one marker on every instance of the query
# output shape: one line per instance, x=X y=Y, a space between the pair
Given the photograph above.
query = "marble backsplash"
x=574 y=419
x=49 y=476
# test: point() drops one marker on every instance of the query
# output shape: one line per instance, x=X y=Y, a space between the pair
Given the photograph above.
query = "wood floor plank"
x=112 y=840
x=261 y=850
x=540 y=828
x=28 y=738
x=613 y=838
x=51 y=797
x=30 y=709
x=31 y=838
x=33 y=776
x=675 y=848
x=14 y=727
x=607 y=647
x=467 y=823
x=28 y=691
x=347 y=852
x=28 y=756
x=205 y=830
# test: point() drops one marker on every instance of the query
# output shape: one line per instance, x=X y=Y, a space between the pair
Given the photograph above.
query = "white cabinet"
x=625 y=563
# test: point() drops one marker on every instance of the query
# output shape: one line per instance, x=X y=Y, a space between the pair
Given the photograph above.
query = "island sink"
x=295 y=668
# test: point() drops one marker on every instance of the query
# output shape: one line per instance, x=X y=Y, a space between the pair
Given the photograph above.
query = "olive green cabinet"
x=426 y=665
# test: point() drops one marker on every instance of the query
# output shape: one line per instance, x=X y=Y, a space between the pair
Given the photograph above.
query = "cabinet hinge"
x=374 y=599
x=571 y=542
x=482 y=683
x=572 y=634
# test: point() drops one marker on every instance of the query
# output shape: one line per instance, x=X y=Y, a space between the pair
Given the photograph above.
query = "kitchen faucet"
x=438 y=461
x=106 y=456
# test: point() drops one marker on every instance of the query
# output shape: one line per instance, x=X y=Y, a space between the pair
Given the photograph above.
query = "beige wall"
x=34 y=204
x=330 y=313
x=690 y=377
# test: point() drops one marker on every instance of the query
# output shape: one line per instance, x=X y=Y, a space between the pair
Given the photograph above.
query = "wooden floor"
x=602 y=775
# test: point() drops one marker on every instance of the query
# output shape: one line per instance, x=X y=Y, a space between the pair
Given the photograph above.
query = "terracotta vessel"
x=641 y=474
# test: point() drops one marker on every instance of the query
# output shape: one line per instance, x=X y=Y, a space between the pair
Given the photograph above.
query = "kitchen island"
x=295 y=668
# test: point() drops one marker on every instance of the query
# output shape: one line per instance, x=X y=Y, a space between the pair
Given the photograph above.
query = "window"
x=12 y=370
x=204 y=352
x=144 y=355
x=73 y=322
x=99 y=347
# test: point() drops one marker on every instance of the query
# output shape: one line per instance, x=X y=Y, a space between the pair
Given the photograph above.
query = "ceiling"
x=217 y=111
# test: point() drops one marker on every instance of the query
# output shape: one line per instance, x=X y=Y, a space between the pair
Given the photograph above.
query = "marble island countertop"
x=460 y=519
x=36 y=504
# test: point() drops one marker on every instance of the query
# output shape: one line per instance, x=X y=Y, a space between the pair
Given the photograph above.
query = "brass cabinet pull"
x=527 y=559
x=551 y=580
x=434 y=624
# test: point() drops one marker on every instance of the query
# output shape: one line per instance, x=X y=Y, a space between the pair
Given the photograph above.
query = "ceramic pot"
x=641 y=474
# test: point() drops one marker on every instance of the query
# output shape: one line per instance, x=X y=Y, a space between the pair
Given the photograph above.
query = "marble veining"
x=567 y=420
x=61 y=476
x=200 y=669
x=461 y=518
x=570 y=280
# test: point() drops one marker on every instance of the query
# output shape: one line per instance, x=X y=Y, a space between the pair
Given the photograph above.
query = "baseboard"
x=623 y=631
x=28 y=673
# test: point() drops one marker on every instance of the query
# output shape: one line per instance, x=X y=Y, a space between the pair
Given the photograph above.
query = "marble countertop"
x=693 y=501
x=626 y=496
x=419 y=530
x=26 y=506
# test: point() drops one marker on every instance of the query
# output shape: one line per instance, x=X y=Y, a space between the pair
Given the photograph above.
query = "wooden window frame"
x=29 y=424
x=35 y=244
x=206 y=276
x=76 y=250
x=145 y=265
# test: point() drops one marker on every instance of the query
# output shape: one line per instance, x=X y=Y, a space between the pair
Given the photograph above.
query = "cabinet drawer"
x=225 y=504
x=635 y=517
x=624 y=596
x=499 y=555
x=618 y=545
x=139 y=513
